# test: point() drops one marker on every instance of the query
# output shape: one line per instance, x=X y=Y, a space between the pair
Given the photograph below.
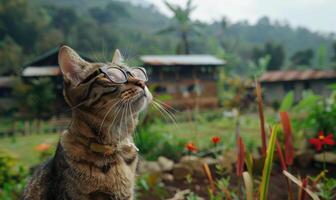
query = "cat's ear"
x=117 y=57
x=71 y=65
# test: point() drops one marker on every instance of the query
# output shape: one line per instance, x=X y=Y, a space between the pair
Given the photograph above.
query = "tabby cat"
x=95 y=157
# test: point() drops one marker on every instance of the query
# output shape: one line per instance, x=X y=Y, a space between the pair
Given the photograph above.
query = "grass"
x=199 y=131
x=23 y=146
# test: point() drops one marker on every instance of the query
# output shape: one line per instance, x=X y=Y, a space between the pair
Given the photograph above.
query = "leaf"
x=248 y=185
x=240 y=156
x=299 y=183
x=261 y=117
x=287 y=130
x=280 y=155
x=249 y=163
x=268 y=164
x=287 y=102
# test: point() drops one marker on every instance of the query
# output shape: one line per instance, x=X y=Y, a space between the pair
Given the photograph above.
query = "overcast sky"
x=317 y=15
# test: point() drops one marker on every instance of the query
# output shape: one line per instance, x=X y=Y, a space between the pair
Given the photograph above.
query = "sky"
x=316 y=15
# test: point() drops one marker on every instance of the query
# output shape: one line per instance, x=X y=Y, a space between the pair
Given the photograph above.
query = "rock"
x=195 y=164
x=165 y=164
x=180 y=195
x=180 y=171
x=167 y=177
x=150 y=166
x=210 y=161
x=330 y=157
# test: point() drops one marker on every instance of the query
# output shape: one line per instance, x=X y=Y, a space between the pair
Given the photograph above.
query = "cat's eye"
x=140 y=73
x=116 y=75
x=119 y=75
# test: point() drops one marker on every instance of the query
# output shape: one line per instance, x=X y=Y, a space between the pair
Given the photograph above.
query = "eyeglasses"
x=119 y=75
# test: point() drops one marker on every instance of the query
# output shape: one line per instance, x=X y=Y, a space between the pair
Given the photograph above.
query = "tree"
x=276 y=53
x=10 y=57
x=182 y=24
x=65 y=19
x=322 y=56
x=35 y=99
x=111 y=13
x=22 y=23
x=303 y=57
x=333 y=58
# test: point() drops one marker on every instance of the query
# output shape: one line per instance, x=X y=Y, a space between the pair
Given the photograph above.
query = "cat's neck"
x=95 y=128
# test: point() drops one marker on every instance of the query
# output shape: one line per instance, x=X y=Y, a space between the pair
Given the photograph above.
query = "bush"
x=153 y=144
x=12 y=177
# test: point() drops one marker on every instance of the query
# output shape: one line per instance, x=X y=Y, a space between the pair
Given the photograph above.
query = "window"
x=288 y=86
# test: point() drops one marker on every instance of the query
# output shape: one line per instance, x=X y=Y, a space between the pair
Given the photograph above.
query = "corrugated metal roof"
x=32 y=71
x=293 y=75
x=6 y=81
x=181 y=60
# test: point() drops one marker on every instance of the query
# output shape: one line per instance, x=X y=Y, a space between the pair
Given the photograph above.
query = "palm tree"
x=182 y=25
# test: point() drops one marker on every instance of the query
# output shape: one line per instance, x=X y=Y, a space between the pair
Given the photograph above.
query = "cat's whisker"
x=166 y=108
x=117 y=110
x=166 y=105
x=170 y=115
x=104 y=118
x=164 y=113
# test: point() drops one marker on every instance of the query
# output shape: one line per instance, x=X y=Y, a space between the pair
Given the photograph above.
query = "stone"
x=167 y=177
x=150 y=166
x=165 y=164
x=180 y=171
x=195 y=164
x=330 y=157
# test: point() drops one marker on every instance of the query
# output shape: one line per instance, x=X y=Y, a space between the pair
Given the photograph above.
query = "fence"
x=28 y=127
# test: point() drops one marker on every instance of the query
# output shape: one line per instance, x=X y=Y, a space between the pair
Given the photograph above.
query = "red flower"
x=216 y=139
x=191 y=147
x=322 y=140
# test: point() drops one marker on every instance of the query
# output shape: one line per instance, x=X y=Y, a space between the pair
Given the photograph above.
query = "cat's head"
x=109 y=92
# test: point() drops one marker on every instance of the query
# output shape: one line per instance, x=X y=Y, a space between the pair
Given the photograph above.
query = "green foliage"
x=163 y=143
x=149 y=186
x=35 y=99
x=276 y=53
x=322 y=56
x=303 y=57
x=287 y=102
x=12 y=177
x=320 y=114
x=182 y=24
x=327 y=188
x=10 y=56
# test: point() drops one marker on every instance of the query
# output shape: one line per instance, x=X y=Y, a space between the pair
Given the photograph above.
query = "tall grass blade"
x=268 y=165
x=240 y=157
x=261 y=118
x=248 y=185
x=299 y=183
x=302 y=193
x=249 y=163
x=287 y=129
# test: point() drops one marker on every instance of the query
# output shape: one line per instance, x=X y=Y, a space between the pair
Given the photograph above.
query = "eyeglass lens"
x=117 y=75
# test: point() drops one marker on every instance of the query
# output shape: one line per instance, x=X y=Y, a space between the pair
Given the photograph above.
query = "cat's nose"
x=137 y=82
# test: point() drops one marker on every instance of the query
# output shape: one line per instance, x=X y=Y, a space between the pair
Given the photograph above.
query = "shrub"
x=12 y=177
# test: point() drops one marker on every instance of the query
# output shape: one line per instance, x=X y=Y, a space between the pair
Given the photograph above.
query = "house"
x=185 y=81
x=276 y=84
x=6 y=87
x=46 y=65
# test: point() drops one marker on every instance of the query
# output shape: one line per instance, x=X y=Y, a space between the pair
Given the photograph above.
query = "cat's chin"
x=140 y=103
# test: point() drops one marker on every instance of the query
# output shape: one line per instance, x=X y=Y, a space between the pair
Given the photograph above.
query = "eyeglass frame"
x=104 y=69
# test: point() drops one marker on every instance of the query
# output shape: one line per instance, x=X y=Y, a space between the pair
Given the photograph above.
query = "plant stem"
x=324 y=161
